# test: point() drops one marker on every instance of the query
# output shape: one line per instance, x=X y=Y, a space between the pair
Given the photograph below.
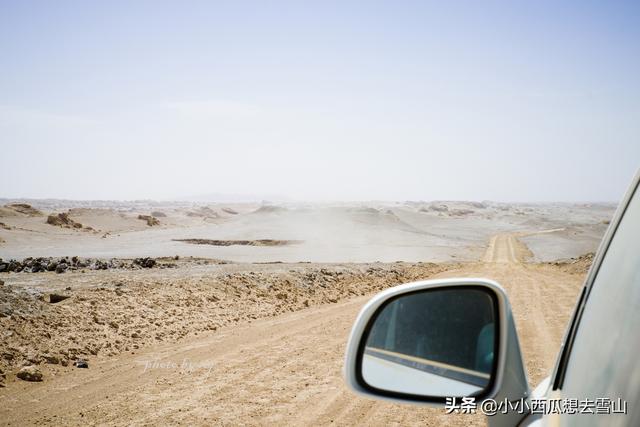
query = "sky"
x=320 y=101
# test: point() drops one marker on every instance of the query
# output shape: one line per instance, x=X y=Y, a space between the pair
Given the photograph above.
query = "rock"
x=63 y=220
x=30 y=373
x=81 y=363
x=54 y=298
x=54 y=360
x=151 y=221
x=100 y=265
x=5 y=310
x=145 y=262
x=1 y=282
x=14 y=266
x=113 y=324
x=37 y=267
x=65 y=264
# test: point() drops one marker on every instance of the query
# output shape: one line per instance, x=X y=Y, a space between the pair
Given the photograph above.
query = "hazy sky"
x=514 y=101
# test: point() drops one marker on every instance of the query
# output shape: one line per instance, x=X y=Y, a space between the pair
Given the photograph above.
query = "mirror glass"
x=437 y=342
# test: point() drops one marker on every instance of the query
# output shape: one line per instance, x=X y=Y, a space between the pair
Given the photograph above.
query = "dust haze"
x=189 y=312
x=310 y=232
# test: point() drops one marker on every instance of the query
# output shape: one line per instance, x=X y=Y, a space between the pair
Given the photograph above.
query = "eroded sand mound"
x=110 y=220
x=151 y=220
x=76 y=212
x=16 y=209
x=365 y=210
x=362 y=232
x=203 y=212
x=269 y=209
x=453 y=209
x=64 y=220
x=434 y=207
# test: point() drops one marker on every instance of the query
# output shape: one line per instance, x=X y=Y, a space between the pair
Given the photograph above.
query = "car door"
x=598 y=376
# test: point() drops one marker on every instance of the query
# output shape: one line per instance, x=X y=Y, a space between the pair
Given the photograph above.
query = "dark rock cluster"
x=61 y=265
x=145 y=262
x=577 y=265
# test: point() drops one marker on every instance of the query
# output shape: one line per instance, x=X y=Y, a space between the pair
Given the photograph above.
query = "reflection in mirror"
x=436 y=342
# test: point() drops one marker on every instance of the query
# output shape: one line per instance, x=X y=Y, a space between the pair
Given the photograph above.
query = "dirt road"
x=285 y=370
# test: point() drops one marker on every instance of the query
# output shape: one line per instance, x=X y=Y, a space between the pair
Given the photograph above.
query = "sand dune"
x=346 y=232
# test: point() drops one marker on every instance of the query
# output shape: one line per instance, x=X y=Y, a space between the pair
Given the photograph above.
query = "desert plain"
x=151 y=313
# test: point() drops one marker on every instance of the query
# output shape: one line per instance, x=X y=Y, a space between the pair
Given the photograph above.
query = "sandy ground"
x=326 y=233
x=281 y=368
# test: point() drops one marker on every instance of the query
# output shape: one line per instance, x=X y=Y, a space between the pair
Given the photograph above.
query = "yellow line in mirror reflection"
x=429 y=362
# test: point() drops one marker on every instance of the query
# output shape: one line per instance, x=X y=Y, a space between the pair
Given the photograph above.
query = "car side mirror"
x=427 y=341
x=432 y=342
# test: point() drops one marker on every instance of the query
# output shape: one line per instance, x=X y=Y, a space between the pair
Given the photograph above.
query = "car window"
x=603 y=363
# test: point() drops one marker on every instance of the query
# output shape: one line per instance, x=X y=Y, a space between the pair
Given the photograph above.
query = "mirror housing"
x=508 y=378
